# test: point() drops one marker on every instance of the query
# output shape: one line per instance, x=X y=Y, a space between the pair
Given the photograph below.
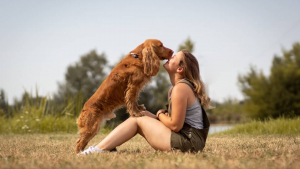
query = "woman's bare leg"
x=156 y=133
x=119 y=135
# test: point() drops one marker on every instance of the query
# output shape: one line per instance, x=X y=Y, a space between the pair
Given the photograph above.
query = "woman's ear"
x=180 y=69
x=150 y=61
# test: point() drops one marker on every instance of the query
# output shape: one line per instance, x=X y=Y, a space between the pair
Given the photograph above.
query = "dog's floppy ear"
x=150 y=61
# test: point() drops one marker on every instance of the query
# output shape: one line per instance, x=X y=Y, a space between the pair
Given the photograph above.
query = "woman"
x=184 y=126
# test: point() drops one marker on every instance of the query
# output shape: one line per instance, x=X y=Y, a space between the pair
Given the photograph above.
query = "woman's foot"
x=94 y=149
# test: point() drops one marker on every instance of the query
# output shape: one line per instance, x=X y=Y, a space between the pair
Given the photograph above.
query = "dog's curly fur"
x=120 y=88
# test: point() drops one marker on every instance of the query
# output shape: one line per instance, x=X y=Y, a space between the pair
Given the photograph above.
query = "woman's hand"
x=161 y=111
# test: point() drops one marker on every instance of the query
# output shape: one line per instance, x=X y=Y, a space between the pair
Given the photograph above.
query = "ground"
x=222 y=151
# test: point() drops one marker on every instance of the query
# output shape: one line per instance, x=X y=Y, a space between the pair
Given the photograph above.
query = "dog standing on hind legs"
x=121 y=87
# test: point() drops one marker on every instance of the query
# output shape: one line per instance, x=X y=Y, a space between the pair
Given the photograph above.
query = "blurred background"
x=55 y=54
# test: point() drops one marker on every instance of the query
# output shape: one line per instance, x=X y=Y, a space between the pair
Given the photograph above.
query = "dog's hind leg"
x=83 y=140
x=90 y=129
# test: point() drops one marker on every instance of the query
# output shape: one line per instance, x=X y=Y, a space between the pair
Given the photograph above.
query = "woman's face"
x=173 y=63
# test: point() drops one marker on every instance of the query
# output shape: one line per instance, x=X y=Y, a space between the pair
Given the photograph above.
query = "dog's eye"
x=134 y=55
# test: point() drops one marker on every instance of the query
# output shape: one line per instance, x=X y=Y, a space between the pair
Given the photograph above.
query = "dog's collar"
x=134 y=55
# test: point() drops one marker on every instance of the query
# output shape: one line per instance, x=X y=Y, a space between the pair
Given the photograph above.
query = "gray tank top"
x=193 y=115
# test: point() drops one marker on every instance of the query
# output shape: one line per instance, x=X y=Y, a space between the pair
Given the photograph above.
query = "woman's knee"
x=141 y=120
x=137 y=120
x=132 y=119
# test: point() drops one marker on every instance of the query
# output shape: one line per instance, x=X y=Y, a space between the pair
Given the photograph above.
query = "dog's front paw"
x=138 y=114
x=142 y=107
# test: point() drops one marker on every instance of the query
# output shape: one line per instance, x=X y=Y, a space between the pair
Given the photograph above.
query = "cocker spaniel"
x=121 y=87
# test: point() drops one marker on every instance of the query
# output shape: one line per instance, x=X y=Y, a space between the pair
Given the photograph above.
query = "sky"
x=40 y=39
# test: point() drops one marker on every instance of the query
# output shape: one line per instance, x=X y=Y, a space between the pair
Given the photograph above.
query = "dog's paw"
x=137 y=114
x=142 y=107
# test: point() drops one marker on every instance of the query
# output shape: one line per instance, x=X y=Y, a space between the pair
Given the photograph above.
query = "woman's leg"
x=156 y=133
x=119 y=135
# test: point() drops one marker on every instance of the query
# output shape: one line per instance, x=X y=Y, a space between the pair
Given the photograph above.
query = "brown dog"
x=121 y=87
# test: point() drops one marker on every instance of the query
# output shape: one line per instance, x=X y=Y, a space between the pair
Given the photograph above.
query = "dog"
x=121 y=87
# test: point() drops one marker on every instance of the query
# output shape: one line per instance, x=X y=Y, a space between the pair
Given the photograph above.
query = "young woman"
x=184 y=126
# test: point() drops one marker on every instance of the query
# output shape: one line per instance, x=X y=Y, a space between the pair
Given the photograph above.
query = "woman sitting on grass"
x=184 y=126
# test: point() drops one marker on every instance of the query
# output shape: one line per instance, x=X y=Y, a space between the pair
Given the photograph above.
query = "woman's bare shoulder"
x=181 y=90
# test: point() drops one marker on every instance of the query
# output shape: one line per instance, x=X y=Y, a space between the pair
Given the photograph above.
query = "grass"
x=274 y=143
x=27 y=122
x=280 y=125
x=221 y=151
x=41 y=115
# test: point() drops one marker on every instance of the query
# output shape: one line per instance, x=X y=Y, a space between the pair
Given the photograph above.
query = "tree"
x=278 y=94
x=3 y=104
x=188 y=45
x=85 y=76
x=229 y=111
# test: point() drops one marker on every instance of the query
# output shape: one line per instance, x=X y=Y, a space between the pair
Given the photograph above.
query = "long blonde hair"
x=192 y=74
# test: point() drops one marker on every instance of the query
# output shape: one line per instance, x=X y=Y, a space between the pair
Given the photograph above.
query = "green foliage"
x=229 y=111
x=4 y=107
x=85 y=76
x=277 y=94
x=280 y=125
x=82 y=80
x=188 y=45
x=40 y=115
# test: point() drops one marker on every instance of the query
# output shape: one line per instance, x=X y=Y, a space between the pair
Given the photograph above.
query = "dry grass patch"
x=231 y=151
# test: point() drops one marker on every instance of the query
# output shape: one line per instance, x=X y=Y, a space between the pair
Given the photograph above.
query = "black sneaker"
x=114 y=150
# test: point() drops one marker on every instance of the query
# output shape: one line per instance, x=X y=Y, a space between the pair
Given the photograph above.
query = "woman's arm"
x=179 y=103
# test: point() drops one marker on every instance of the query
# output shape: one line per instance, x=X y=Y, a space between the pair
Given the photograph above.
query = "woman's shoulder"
x=181 y=89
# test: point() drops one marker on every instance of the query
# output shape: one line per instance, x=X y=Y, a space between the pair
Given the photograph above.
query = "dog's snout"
x=171 y=53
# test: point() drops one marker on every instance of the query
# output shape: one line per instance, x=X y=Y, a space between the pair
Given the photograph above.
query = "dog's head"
x=151 y=52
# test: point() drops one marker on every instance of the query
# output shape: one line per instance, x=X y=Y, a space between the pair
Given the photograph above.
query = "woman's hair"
x=192 y=74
